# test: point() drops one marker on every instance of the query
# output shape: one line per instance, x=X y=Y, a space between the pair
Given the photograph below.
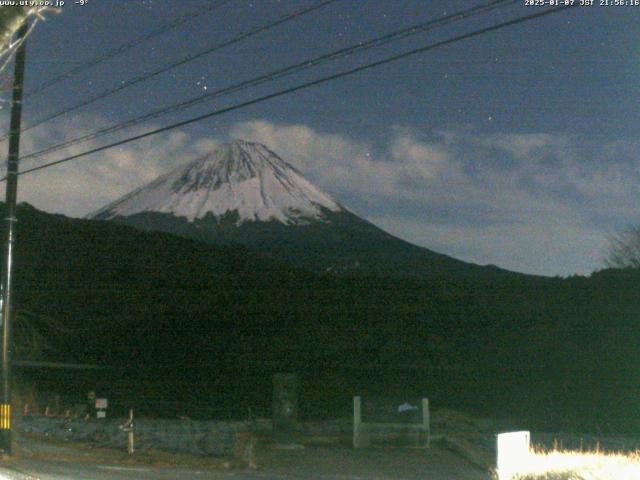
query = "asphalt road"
x=27 y=469
x=48 y=470
x=42 y=460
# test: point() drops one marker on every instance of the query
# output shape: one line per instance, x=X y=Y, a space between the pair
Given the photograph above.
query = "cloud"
x=332 y=158
x=537 y=202
x=86 y=184
x=534 y=202
x=524 y=146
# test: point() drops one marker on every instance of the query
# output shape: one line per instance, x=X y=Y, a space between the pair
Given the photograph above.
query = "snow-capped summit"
x=244 y=194
x=240 y=178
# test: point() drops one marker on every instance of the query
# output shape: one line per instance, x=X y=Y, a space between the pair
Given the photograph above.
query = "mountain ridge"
x=244 y=193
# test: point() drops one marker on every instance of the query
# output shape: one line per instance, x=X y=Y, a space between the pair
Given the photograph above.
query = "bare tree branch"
x=624 y=249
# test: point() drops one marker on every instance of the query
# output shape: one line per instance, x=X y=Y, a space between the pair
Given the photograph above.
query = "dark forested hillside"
x=179 y=319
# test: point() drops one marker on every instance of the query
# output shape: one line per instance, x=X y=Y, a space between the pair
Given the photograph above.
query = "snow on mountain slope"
x=239 y=177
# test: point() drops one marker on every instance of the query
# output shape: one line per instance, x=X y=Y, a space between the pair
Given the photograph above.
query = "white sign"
x=101 y=414
x=101 y=403
x=512 y=452
x=407 y=407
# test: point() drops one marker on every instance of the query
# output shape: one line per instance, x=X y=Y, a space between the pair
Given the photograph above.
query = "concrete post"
x=426 y=420
x=285 y=407
x=357 y=420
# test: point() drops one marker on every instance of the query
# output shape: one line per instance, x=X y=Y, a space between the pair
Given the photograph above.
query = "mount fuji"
x=243 y=179
x=244 y=193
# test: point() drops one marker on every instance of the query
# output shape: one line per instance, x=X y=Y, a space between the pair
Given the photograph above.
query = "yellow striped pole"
x=5 y=416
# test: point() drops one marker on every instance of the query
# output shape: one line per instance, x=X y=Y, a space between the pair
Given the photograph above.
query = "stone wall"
x=216 y=438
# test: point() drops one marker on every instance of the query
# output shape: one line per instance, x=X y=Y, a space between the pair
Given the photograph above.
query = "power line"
x=183 y=61
x=283 y=72
x=126 y=47
x=305 y=85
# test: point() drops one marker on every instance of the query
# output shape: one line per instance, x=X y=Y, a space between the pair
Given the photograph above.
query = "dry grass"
x=571 y=465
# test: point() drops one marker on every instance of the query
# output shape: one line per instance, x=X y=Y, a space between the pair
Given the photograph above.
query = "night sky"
x=517 y=148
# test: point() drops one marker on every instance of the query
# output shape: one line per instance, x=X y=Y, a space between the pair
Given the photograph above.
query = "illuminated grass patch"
x=572 y=465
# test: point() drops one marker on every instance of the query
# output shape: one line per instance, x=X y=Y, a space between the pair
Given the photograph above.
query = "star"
x=202 y=84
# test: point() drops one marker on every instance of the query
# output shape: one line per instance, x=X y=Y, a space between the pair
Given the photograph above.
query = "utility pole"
x=10 y=208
